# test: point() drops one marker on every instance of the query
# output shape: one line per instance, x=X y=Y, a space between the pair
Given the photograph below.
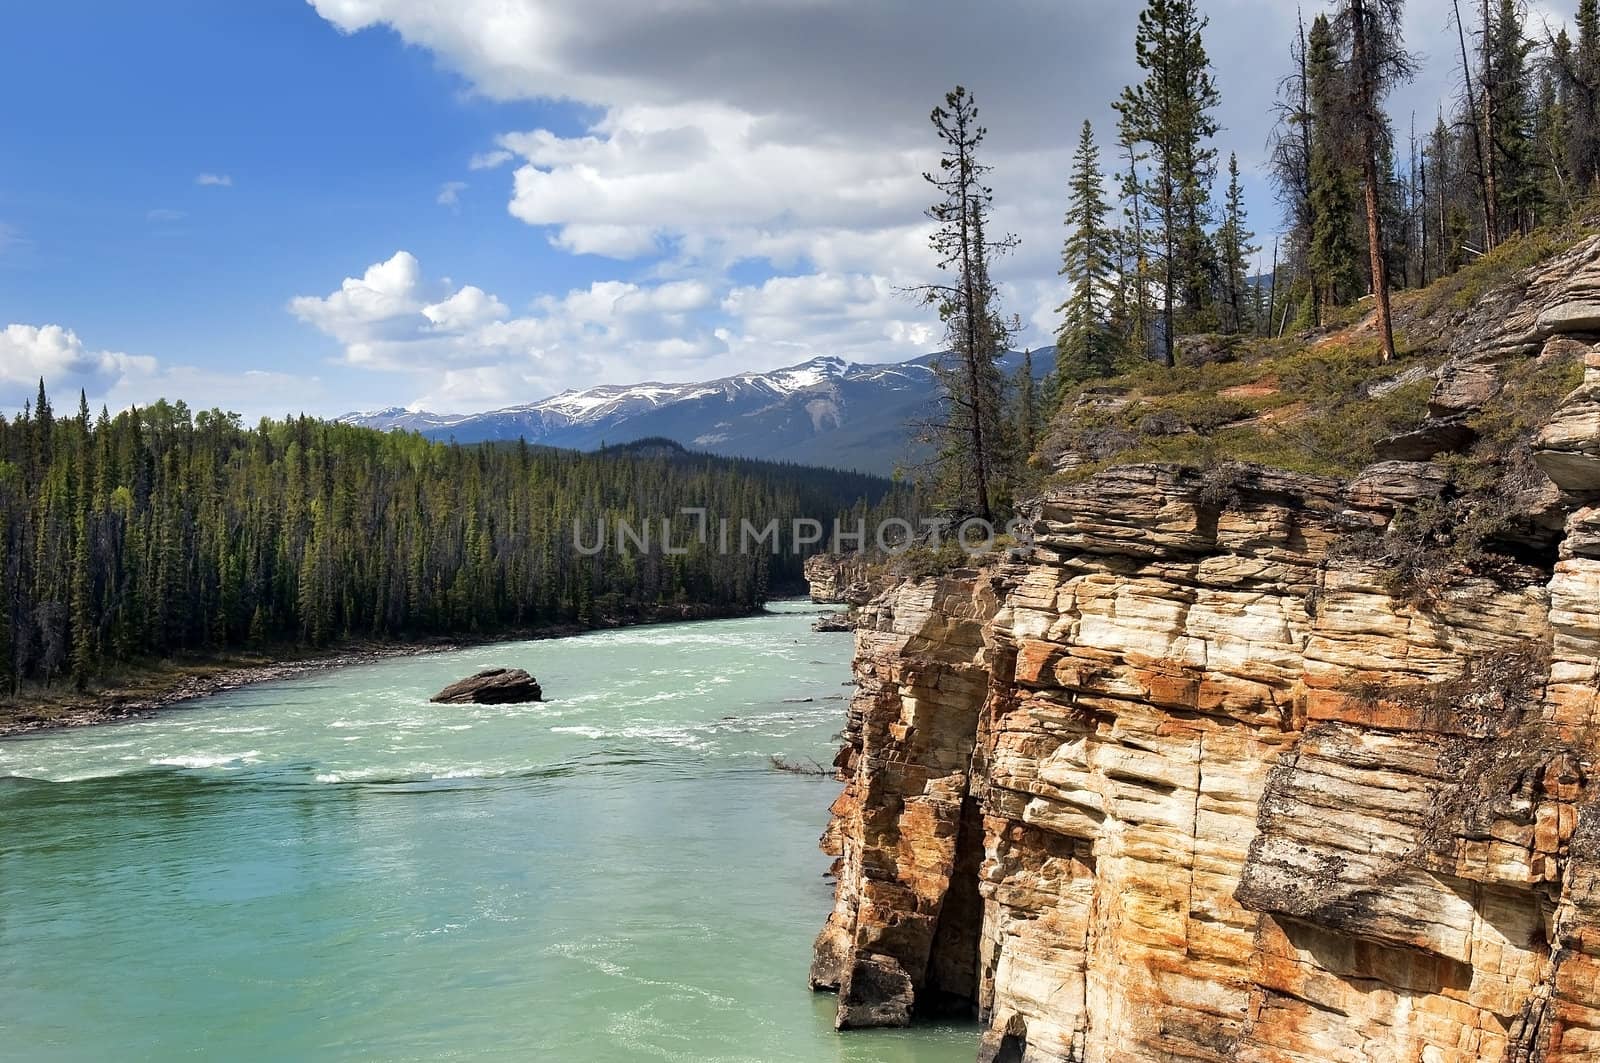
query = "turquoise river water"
x=330 y=868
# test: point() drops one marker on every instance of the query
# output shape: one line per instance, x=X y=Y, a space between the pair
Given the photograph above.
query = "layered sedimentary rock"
x=842 y=579
x=1199 y=782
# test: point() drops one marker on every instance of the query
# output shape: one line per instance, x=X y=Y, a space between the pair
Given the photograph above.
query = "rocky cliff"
x=843 y=579
x=1246 y=764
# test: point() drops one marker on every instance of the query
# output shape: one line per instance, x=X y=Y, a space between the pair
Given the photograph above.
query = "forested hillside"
x=137 y=535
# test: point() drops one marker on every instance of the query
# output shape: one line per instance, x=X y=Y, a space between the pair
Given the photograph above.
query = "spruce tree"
x=1582 y=79
x=1552 y=132
x=1084 y=345
x=1133 y=258
x=1333 y=254
x=1027 y=414
x=1235 y=250
x=1170 y=113
x=1518 y=184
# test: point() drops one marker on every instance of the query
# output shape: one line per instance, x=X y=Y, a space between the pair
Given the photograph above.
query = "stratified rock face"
x=493 y=686
x=1193 y=786
x=842 y=579
x=1569 y=446
x=906 y=830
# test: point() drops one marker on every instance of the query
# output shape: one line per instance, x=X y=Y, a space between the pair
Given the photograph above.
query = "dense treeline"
x=1151 y=255
x=153 y=531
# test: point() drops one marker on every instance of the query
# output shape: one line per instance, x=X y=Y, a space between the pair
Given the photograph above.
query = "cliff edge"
x=1247 y=763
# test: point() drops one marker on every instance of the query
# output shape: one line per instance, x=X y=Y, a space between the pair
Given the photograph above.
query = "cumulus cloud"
x=793 y=135
x=866 y=316
x=465 y=346
x=391 y=317
x=214 y=180
x=55 y=353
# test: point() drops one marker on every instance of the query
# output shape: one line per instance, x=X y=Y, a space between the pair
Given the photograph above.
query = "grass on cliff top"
x=1318 y=407
x=1318 y=403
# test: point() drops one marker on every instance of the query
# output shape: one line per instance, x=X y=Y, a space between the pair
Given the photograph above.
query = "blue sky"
x=675 y=193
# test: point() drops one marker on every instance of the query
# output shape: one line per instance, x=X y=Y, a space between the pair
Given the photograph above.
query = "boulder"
x=1207 y=349
x=834 y=622
x=492 y=686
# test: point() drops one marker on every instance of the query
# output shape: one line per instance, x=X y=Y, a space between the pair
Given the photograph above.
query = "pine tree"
x=1511 y=136
x=1025 y=407
x=1084 y=345
x=1553 y=131
x=1332 y=244
x=971 y=464
x=1379 y=62
x=1235 y=251
x=1170 y=112
x=1133 y=256
x=1292 y=136
x=1582 y=78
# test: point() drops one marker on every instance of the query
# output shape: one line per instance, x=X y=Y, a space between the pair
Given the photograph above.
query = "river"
x=330 y=868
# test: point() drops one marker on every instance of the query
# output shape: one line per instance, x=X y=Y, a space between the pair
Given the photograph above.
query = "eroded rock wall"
x=1196 y=783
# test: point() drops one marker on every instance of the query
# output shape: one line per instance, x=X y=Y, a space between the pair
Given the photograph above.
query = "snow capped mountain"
x=826 y=411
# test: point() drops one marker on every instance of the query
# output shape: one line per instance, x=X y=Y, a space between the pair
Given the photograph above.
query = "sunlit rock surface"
x=1196 y=783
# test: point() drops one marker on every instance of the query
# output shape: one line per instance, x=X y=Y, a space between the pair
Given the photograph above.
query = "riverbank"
x=143 y=690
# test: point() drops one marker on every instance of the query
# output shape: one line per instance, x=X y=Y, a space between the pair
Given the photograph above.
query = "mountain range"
x=827 y=412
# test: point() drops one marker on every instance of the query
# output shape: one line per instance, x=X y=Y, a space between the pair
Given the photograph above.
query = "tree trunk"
x=1369 y=168
x=1477 y=135
x=1491 y=191
x=1169 y=280
x=971 y=354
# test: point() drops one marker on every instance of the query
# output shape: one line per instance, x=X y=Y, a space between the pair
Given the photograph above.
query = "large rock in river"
x=493 y=686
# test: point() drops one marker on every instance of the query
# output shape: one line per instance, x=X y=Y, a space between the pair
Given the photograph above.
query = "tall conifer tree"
x=1084 y=347
x=1170 y=114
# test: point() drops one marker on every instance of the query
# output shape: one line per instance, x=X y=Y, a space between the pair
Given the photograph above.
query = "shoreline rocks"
x=492 y=686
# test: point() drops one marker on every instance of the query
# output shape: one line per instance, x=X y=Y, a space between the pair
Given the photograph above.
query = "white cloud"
x=29 y=352
x=706 y=174
x=450 y=193
x=489 y=160
x=214 y=180
x=466 y=349
x=164 y=214
x=794 y=134
x=467 y=308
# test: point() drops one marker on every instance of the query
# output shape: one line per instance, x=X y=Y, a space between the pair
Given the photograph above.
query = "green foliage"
x=157 y=532
x=1084 y=347
x=974 y=454
x=1336 y=240
x=1320 y=409
x=1170 y=115
x=1234 y=251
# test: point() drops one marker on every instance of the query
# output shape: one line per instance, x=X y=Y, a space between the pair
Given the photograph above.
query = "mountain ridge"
x=826 y=411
